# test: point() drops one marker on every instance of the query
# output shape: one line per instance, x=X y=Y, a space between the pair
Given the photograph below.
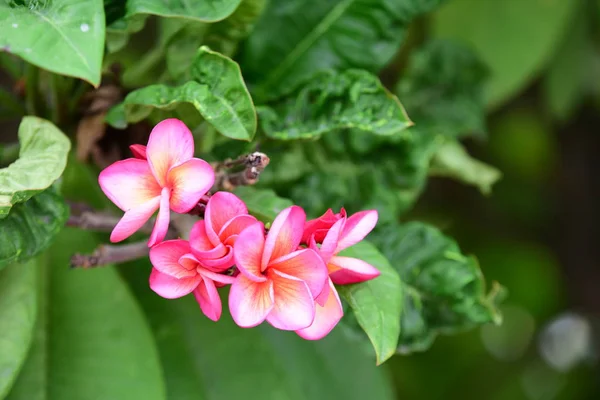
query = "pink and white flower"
x=277 y=282
x=317 y=228
x=164 y=176
x=177 y=272
x=212 y=238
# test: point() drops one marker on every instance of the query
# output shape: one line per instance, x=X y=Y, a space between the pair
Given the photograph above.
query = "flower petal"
x=331 y=240
x=248 y=250
x=250 y=302
x=128 y=183
x=171 y=288
x=220 y=264
x=285 y=234
x=318 y=227
x=161 y=226
x=326 y=317
x=356 y=228
x=133 y=220
x=165 y=258
x=345 y=270
x=294 y=305
x=139 y=151
x=219 y=278
x=199 y=240
x=234 y=226
x=171 y=143
x=221 y=208
x=189 y=182
x=305 y=265
x=208 y=298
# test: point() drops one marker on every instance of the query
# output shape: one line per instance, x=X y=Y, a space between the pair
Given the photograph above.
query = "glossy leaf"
x=444 y=290
x=377 y=304
x=62 y=36
x=332 y=101
x=286 y=49
x=452 y=160
x=205 y=11
x=514 y=38
x=92 y=341
x=264 y=204
x=18 y=310
x=31 y=227
x=42 y=159
x=217 y=92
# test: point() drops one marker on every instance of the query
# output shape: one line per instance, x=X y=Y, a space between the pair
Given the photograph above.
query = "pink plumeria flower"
x=169 y=179
x=342 y=270
x=177 y=273
x=319 y=227
x=277 y=282
x=212 y=239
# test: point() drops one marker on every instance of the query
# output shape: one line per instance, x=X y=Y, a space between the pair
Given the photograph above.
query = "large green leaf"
x=332 y=101
x=207 y=360
x=264 y=204
x=205 y=10
x=92 y=341
x=377 y=304
x=42 y=159
x=285 y=49
x=515 y=38
x=217 y=92
x=31 y=226
x=442 y=90
x=18 y=310
x=63 y=36
x=444 y=290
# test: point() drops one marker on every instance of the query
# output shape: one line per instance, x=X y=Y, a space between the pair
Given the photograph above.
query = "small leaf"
x=264 y=204
x=31 y=227
x=217 y=92
x=452 y=160
x=444 y=290
x=42 y=159
x=62 y=36
x=332 y=101
x=205 y=11
x=18 y=310
x=377 y=304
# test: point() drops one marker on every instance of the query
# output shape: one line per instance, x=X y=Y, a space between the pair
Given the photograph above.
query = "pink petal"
x=219 y=264
x=128 y=183
x=170 y=144
x=305 y=265
x=235 y=226
x=208 y=298
x=294 y=305
x=318 y=227
x=219 y=278
x=221 y=208
x=345 y=270
x=161 y=226
x=217 y=253
x=331 y=240
x=285 y=234
x=171 y=288
x=202 y=244
x=165 y=258
x=356 y=228
x=139 y=151
x=133 y=220
x=187 y=261
x=189 y=182
x=324 y=295
x=250 y=302
x=326 y=317
x=248 y=250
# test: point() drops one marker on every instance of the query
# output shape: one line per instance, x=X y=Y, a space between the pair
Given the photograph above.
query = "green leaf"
x=205 y=11
x=332 y=101
x=217 y=92
x=496 y=30
x=442 y=90
x=92 y=341
x=42 y=159
x=444 y=290
x=18 y=310
x=377 y=303
x=452 y=160
x=31 y=226
x=207 y=360
x=285 y=50
x=264 y=204
x=62 y=36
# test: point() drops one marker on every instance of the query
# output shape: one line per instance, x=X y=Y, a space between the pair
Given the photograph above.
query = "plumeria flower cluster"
x=285 y=274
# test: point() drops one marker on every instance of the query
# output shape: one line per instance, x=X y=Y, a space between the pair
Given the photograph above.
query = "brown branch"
x=101 y=222
x=110 y=254
x=253 y=164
